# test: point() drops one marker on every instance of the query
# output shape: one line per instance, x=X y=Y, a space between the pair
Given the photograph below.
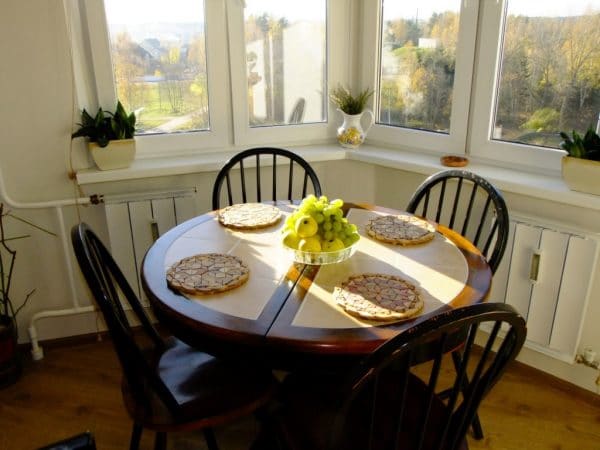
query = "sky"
x=136 y=11
x=174 y=11
x=425 y=8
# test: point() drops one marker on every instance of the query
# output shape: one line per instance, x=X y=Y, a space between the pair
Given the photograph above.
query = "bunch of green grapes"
x=319 y=226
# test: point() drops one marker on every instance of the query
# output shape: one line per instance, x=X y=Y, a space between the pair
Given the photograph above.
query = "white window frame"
x=414 y=139
x=539 y=159
x=339 y=55
x=172 y=144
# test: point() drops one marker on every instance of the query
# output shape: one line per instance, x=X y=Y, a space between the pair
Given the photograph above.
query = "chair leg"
x=160 y=441
x=136 y=434
x=211 y=441
x=476 y=423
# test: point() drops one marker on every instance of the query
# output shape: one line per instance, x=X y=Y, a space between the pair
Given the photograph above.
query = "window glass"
x=158 y=52
x=286 y=61
x=418 y=54
x=550 y=72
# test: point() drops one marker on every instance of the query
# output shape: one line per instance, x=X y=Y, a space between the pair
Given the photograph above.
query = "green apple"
x=310 y=244
x=306 y=226
x=332 y=245
x=291 y=239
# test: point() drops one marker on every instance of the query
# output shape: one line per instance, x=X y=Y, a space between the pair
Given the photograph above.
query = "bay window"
x=493 y=79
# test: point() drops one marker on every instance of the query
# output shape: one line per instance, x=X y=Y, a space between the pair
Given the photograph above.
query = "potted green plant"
x=110 y=137
x=581 y=165
x=351 y=133
x=10 y=362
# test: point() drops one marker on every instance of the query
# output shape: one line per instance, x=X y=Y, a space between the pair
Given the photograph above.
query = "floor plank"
x=76 y=388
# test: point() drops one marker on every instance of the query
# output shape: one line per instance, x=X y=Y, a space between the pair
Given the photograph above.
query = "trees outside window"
x=550 y=72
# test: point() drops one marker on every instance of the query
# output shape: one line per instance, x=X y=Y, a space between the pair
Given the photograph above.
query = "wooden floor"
x=76 y=388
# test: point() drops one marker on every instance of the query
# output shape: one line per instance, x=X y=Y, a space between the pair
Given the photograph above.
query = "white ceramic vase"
x=116 y=155
x=351 y=133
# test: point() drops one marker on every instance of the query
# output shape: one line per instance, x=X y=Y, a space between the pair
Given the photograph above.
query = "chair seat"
x=309 y=409
x=207 y=392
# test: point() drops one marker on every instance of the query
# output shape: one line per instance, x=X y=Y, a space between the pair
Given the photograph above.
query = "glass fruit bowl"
x=321 y=258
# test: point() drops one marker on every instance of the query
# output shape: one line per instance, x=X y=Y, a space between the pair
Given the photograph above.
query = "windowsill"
x=547 y=187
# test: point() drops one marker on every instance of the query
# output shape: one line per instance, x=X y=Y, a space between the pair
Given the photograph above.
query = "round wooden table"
x=284 y=314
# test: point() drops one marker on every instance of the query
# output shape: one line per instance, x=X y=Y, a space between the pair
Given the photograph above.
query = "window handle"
x=534 y=267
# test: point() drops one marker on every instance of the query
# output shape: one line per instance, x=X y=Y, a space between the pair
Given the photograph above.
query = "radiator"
x=546 y=274
x=135 y=221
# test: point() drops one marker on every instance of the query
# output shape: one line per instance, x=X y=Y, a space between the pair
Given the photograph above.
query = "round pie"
x=208 y=273
x=249 y=216
x=379 y=297
x=402 y=229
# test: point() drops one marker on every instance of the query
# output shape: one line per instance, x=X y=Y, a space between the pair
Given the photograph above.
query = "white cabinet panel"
x=140 y=214
x=121 y=242
x=185 y=208
x=544 y=295
x=500 y=279
x=552 y=294
x=518 y=290
x=579 y=269
x=163 y=212
x=133 y=224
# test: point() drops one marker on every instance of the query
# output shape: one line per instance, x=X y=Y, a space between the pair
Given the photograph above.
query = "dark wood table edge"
x=213 y=331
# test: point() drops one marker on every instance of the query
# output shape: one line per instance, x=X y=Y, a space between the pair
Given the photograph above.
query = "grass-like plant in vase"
x=351 y=134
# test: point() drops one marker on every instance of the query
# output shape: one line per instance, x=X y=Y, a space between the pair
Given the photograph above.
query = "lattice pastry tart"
x=402 y=229
x=208 y=273
x=249 y=216
x=379 y=297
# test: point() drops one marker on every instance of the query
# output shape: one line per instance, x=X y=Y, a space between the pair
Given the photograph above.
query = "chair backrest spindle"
x=483 y=208
x=277 y=154
x=407 y=410
x=109 y=288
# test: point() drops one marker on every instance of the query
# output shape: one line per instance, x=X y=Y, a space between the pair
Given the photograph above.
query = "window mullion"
x=95 y=17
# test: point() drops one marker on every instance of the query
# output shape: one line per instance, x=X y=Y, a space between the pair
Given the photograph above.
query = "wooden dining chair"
x=389 y=400
x=167 y=385
x=282 y=161
x=468 y=204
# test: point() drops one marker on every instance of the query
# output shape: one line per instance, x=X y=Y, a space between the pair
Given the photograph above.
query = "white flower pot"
x=582 y=175
x=116 y=155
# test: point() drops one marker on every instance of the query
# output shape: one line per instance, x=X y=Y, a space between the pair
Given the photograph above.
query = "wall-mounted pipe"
x=36 y=350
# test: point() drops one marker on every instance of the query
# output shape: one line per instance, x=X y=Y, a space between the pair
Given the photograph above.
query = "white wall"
x=36 y=111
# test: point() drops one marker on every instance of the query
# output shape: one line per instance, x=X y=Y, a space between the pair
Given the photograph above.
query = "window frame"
x=485 y=91
x=338 y=53
x=415 y=139
x=173 y=144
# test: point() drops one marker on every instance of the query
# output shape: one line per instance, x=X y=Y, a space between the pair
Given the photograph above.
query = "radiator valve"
x=588 y=358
